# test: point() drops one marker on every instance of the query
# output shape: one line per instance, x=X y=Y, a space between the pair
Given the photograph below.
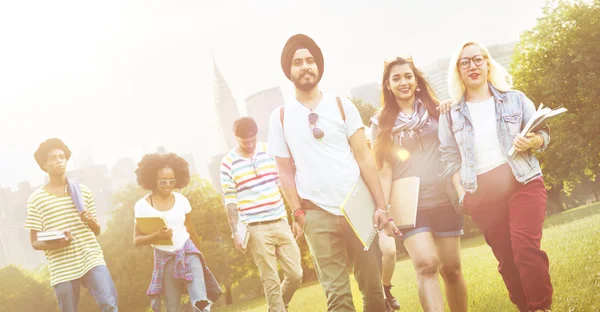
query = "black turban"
x=295 y=43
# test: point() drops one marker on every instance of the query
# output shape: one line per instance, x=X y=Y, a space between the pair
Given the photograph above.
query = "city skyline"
x=132 y=76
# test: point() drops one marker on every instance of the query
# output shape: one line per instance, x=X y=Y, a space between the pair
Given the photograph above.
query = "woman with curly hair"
x=180 y=264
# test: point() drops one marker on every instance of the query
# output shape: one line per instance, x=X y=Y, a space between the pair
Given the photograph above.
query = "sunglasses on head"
x=167 y=182
x=316 y=131
x=389 y=60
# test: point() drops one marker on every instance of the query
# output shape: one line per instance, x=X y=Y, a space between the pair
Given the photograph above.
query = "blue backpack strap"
x=75 y=192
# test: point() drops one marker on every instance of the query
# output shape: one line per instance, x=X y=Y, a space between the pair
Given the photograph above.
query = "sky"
x=118 y=78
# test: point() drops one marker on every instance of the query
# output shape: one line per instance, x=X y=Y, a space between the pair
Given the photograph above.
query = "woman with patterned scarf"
x=405 y=140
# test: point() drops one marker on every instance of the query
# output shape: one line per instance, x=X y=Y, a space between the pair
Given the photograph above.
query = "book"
x=149 y=225
x=536 y=122
x=358 y=208
x=50 y=236
x=243 y=230
x=404 y=200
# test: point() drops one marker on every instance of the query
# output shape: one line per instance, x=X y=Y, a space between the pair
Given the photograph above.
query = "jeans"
x=98 y=282
x=173 y=288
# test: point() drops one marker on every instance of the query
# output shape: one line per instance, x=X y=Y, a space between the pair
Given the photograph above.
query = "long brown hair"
x=387 y=115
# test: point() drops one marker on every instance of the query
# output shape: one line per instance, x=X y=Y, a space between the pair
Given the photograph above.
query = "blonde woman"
x=505 y=196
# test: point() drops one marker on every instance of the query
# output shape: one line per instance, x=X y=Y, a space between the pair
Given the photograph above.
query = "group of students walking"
x=316 y=151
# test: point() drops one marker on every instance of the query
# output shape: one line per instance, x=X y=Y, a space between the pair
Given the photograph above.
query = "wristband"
x=462 y=198
x=298 y=212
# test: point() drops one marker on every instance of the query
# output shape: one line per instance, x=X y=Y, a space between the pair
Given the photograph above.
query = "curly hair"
x=41 y=154
x=150 y=164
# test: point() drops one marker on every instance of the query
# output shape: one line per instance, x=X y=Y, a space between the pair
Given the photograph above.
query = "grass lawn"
x=571 y=240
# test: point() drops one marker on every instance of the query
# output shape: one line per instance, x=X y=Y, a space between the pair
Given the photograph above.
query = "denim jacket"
x=457 y=140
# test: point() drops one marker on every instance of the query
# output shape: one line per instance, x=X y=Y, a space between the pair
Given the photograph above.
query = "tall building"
x=228 y=113
x=259 y=107
x=122 y=173
x=86 y=159
x=226 y=107
x=214 y=170
x=370 y=93
x=437 y=72
x=189 y=157
x=161 y=150
x=15 y=245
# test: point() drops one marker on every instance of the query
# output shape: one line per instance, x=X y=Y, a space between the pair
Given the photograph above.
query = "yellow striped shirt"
x=46 y=211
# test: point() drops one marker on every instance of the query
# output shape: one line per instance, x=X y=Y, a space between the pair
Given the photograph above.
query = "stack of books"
x=50 y=236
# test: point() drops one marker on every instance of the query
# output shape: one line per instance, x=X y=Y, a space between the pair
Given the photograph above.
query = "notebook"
x=404 y=200
x=358 y=208
x=149 y=225
x=50 y=236
x=243 y=230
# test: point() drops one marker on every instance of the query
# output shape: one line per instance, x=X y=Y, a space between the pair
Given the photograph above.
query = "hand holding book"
x=530 y=141
x=527 y=138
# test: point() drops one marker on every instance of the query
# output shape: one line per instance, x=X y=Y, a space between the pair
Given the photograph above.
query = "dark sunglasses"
x=167 y=182
x=316 y=131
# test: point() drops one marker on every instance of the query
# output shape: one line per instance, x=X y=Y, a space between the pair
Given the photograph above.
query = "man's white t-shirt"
x=488 y=152
x=174 y=217
x=326 y=169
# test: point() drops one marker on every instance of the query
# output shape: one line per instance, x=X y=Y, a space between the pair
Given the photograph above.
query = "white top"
x=488 y=152
x=174 y=217
x=326 y=169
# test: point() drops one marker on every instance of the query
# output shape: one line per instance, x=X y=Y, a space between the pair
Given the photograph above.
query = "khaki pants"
x=334 y=247
x=271 y=243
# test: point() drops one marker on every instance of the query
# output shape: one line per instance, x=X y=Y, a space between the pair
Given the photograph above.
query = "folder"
x=358 y=208
x=404 y=200
x=149 y=225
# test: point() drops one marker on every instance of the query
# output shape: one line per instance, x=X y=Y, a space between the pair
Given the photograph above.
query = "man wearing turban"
x=321 y=152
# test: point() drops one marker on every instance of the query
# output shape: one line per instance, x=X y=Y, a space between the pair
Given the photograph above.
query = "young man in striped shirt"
x=77 y=259
x=250 y=180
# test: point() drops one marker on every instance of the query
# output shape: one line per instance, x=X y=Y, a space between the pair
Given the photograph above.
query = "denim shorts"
x=441 y=221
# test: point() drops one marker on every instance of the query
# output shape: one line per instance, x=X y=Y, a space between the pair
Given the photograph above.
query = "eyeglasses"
x=316 y=131
x=167 y=182
x=465 y=62
x=389 y=60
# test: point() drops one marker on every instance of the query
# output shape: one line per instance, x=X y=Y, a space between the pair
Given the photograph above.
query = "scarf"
x=407 y=128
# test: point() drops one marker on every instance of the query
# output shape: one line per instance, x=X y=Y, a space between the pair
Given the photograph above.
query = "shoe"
x=390 y=299
x=203 y=305
x=388 y=308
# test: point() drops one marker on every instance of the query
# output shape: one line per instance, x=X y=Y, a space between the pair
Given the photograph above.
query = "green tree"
x=558 y=63
x=20 y=291
x=228 y=264
x=365 y=109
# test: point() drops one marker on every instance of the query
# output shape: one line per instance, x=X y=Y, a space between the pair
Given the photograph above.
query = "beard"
x=305 y=86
